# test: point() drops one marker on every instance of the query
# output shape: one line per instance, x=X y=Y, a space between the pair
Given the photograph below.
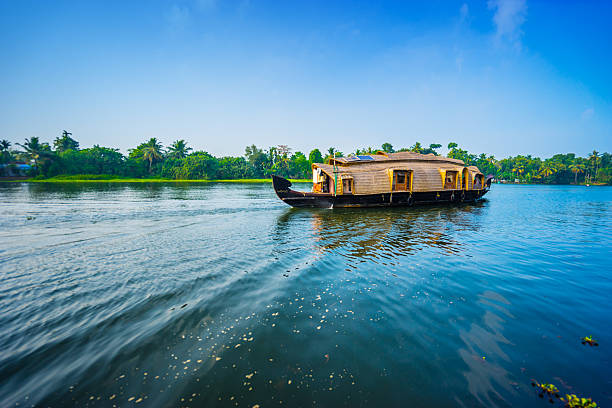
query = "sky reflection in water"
x=219 y=294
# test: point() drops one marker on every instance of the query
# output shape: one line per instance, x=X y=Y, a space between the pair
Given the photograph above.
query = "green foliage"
x=549 y=390
x=5 y=154
x=572 y=401
x=590 y=341
x=257 y=159
x=178 y=150
x=198 y=165
x=179 y=163
x=65 y=142
x=315 y=156
x=387 y=147
x=416 y=148
x=37 y=152
x=299 y=166
x=95 y=160
x=331 y=153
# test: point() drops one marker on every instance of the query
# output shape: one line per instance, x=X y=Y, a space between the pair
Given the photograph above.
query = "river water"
x=221 y=295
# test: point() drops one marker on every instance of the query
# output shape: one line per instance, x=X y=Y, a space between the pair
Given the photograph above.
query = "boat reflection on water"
x=423 y=257
x=381 y=235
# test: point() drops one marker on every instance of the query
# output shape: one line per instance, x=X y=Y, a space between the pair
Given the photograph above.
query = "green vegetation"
x=150 y=161
x=572 y=401
x=548 y=390
x=93 y=178
x=590 y=341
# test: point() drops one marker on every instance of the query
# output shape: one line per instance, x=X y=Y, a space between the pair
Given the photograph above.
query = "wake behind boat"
x=387 y=179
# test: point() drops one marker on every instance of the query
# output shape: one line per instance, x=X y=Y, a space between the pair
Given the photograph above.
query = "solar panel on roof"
x=351 y=158
x=365 y=157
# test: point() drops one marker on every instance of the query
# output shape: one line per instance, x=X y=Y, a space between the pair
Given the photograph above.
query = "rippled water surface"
x=221 y=295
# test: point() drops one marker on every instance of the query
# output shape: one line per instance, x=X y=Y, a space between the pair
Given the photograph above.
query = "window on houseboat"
x=347 y=186
x=400 y=180
x=450 y=181
x=478 y=181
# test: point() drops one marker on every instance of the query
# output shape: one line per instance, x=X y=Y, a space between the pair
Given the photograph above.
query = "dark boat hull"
x=396 y=199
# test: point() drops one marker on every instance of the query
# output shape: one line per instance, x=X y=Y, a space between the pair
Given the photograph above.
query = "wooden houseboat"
x=387 y=179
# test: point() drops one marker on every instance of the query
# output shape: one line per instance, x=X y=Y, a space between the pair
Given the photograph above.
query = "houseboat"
x=387 y=179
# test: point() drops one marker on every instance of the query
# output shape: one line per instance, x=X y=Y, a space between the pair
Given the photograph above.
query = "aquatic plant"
x=550 y=390
x=590 y=341
x=572 y=401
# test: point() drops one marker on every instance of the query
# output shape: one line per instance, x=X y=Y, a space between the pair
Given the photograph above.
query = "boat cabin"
x=394 y=173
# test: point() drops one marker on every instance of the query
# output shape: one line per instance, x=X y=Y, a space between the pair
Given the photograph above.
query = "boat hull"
x=396 y=199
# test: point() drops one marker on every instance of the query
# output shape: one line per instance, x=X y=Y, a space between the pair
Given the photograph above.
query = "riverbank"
x=547 y=184
x=163 y=180
x=139 y=180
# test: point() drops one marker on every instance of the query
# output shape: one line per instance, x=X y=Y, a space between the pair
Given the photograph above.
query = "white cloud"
x=587 y=114
x=508 y=18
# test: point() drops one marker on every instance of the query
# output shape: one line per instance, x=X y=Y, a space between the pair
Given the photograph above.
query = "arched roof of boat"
x=381 y=156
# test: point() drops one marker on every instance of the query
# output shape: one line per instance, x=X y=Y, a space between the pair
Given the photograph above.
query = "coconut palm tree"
x=65 y=142
x=33 y=149
x=179 y=149
x=576 y=168
x=417 y=148
x=547 y=169
x=5 y=155
x=594 y=157
x=152 y=152
x=519 y=169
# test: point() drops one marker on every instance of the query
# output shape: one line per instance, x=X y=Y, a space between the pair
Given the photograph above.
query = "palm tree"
x=547 y=169
x=65 y=142
x=152 y=152
x=576 y=168
x=417 y=148
x=33 y=149
x=594 y=157
x=519 y=169
x=179 y=149
x=5 y=155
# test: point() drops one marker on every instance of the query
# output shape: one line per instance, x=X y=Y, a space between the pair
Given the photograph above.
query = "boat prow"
x=299 y=198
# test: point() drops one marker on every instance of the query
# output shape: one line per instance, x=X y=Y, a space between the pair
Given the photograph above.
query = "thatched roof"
x=374 y=173
x=388 y=157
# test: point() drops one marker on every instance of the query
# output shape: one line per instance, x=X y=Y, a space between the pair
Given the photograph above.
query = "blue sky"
x=500 y=76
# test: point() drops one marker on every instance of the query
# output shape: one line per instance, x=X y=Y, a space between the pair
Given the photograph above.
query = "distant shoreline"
x=139 y=180
x=54 y=180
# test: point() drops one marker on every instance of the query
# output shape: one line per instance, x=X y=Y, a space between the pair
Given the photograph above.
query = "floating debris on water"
x=549 y=390
x=590 y=341
x=572 y=401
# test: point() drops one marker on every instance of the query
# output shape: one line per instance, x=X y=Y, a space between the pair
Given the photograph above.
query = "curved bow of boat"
x=488 y=182
x=281 y=184
x=299 y=198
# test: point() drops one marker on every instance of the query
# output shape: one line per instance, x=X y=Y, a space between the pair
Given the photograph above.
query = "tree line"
x=179 y=161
